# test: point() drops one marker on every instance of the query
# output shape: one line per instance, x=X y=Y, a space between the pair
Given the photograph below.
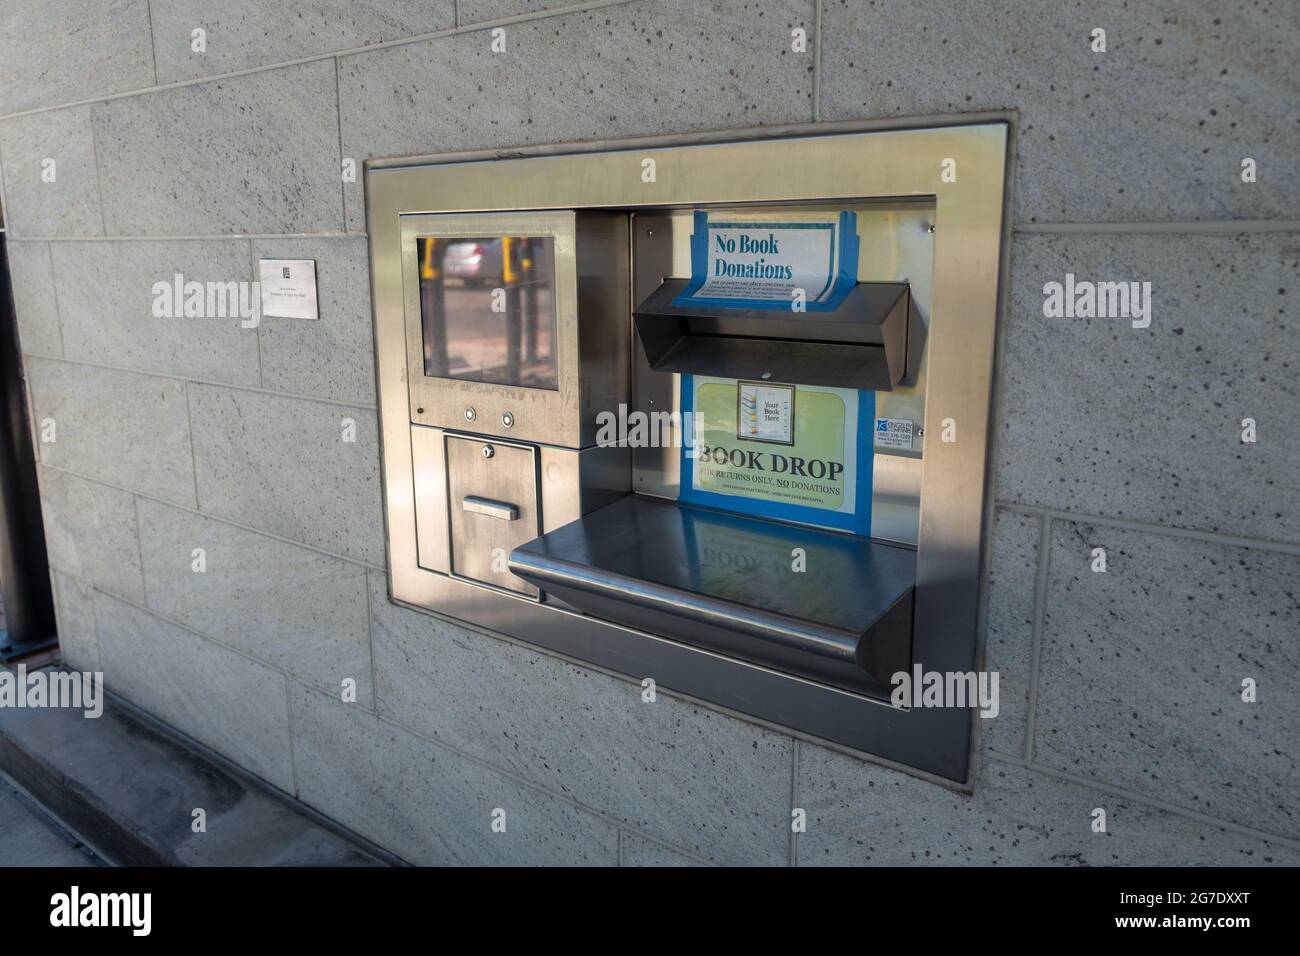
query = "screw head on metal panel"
x=470 y=414
x=488 y=451
x=507 y=419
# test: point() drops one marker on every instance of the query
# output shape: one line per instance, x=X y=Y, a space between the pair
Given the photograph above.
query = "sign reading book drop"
x=793 y=452
x=776 y=449
x=288 y=288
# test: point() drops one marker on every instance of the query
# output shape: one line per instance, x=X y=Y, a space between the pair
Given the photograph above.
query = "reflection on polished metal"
x=942 y=238
x=724 y=581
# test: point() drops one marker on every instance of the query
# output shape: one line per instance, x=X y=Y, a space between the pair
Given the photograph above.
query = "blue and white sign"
x=894 y=433
x=805 y=261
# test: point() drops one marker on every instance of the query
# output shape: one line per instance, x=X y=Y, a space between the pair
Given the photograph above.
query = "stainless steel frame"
x=538 y=414
x=591 y=357
x=800 y=165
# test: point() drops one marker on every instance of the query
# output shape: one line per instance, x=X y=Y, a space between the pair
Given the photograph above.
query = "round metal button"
x=507 y=419
x=488 y=451
x=470 y=414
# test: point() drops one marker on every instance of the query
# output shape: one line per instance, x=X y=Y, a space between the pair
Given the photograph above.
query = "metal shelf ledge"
x=727 y=582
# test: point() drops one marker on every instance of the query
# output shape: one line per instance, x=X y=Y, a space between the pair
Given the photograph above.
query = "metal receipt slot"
x=680 y=432
x=861 y=344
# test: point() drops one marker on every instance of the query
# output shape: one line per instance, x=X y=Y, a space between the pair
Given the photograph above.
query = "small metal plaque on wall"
x=288 y=288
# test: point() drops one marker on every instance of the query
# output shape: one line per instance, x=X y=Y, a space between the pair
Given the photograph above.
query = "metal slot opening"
x=862 y=343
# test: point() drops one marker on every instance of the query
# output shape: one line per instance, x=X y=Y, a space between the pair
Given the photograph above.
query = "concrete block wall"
x=1120 y=690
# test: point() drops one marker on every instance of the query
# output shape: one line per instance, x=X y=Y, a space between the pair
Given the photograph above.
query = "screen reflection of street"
x=488 y=310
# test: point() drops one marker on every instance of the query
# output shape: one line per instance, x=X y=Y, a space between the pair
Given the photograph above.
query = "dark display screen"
x=487 y=308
